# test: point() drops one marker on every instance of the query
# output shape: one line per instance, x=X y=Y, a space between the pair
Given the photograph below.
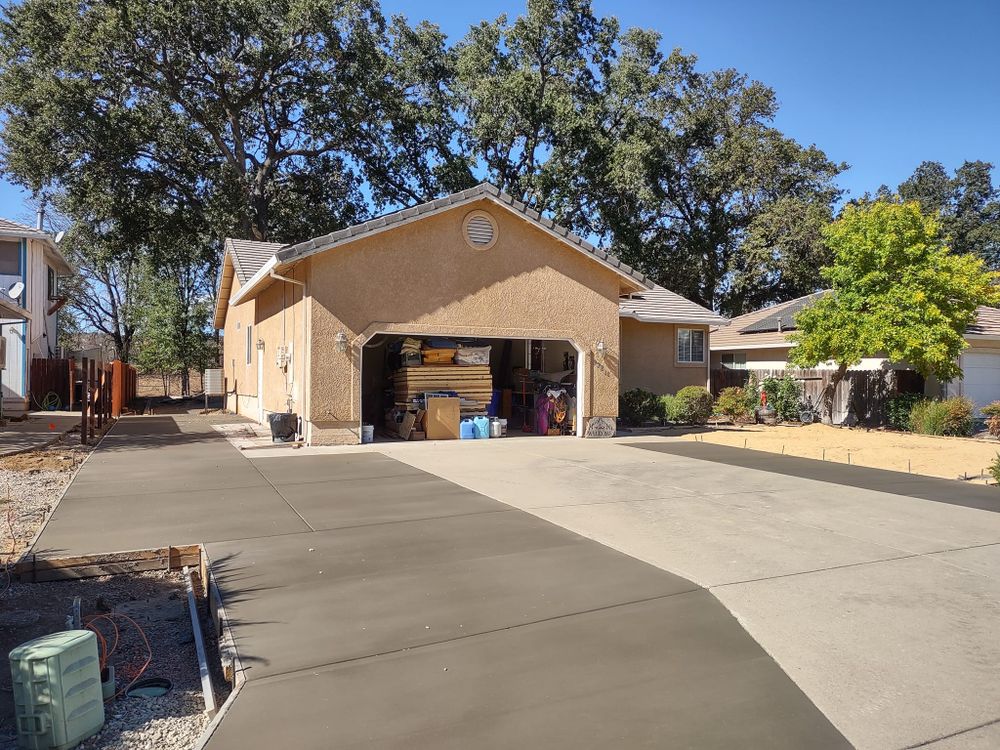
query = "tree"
x=968 y=205
x=898 y=291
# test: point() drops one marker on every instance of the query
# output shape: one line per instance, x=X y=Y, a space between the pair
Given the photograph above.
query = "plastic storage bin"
x=57 y=690
x=472 y=355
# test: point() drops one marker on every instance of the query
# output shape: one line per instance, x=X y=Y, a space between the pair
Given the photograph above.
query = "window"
x=734 y=360
x=53 y=284
x=249 y=344
x=690 y=345
x=10 y=258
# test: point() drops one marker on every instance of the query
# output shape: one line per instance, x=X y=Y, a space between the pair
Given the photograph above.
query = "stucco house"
x=30 y=268
x=759 y=341
x=310 y=327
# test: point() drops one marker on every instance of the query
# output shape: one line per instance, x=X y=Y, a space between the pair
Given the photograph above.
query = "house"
x=30 y=268
x=316 y=328
x=760 y=341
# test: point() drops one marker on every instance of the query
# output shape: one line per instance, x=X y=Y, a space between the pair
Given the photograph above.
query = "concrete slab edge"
x=41 y=446
x=232 y=666
x=213 y=725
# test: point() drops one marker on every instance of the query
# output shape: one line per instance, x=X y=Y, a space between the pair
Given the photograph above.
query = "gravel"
x=157 y=602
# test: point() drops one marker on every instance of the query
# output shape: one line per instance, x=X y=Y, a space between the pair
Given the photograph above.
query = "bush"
x=995 y=468
x=636 y=407
x=992 y=413
x=694 y=404
x=784 y=395
x=898 y=408
x=672 y=408
x=736 y=403
x=952 y=416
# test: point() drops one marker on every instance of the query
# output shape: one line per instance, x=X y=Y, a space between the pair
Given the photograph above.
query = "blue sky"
x=881 y=85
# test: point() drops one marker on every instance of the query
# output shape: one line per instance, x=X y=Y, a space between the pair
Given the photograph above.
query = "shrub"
x=637 y=407
x=784 y=395
x=995 y=469
x=694 y=404
x=672 y=408
x=992 y=413
x=736 y=403
x=952 y=416
x=898 y=408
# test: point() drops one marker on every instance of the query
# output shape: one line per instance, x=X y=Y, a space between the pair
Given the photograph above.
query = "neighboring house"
x=759 y=341
x=307 y=326
x=30 y=263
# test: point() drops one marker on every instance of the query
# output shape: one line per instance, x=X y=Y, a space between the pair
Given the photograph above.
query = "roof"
x=660 y=305
x=759 y=329
x=479 y=192
x=987 y=323
x=10 y=228
x=249 y=256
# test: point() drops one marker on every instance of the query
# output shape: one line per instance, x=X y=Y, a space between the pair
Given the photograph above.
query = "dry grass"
x=931 y=456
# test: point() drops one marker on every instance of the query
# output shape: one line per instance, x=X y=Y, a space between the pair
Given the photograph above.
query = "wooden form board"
x=38 y=569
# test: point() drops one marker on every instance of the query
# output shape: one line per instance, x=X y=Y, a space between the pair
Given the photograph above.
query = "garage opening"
x=445 y=388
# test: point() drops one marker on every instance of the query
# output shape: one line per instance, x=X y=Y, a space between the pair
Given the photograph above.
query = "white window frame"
x=679 y=343
x=737 y=360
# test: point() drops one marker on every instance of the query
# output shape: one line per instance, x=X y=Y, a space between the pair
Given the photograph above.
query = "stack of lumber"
x=473 y=384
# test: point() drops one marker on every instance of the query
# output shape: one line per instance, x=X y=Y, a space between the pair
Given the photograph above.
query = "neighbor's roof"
x=759 y=329
x=10 y=228
x=484 y=190
x=659 y=305
x=987 y=323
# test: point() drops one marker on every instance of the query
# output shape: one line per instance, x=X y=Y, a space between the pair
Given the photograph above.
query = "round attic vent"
x=480 y=230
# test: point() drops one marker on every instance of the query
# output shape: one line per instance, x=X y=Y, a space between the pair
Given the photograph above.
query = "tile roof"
x=482 y=190
x=249 y=256
x=736 y=335
x=987 y=322
x=8 y=226
x=660 y=305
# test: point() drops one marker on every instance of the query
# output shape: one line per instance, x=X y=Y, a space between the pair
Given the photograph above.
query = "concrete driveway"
x=877 y=592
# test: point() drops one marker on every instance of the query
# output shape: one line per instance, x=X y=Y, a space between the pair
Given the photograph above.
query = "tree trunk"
x=830 y=392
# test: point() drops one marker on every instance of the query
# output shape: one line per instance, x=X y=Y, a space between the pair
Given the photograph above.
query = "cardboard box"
x=418 y=435
x=443 y=417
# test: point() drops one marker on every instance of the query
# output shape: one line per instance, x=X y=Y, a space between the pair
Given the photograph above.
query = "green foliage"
x=784 y=395
x=992 y=413
x=896 y=289
x=693 y=404
x=898 y=408
x=637 y=407
x=995 y=470
x=952 y=416
x=736 y=403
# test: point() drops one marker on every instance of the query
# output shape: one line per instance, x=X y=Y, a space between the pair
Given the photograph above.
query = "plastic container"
x=472 y=355
x=57 y=690
x=482 y=425
x=367 y=434
x=467 y=430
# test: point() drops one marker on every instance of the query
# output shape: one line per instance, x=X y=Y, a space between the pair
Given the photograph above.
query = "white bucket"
x=367 y=433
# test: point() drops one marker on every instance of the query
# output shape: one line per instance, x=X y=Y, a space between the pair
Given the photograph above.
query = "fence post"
x=83 y=404
x=92 y=399
x=100 y=397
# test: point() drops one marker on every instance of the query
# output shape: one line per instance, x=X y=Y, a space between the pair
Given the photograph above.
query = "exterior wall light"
x=340 y=341
x=260 y=345
x=600 y=350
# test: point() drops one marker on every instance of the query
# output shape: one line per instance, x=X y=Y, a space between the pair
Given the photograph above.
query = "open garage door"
x=524 y=386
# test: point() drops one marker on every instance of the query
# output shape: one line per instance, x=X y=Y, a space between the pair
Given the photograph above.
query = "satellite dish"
x=59 y=236
x=15 y=290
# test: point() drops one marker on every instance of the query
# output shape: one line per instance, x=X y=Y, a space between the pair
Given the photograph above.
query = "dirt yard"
x=952 y=458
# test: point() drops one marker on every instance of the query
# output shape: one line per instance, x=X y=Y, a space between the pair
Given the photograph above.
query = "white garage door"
x=982 y=377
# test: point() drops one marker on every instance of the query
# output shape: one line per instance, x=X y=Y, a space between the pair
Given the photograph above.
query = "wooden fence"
x=861 y=397
x=63 y=383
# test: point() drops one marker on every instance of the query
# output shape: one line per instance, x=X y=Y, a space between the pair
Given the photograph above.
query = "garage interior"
x=445 y=388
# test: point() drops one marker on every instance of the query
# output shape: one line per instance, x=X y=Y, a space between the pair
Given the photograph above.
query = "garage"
x=981 y=377
x=472 y=311
x=412 y=387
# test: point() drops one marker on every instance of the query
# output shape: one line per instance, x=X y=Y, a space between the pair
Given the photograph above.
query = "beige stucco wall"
x=241 y=378
x=280 y=320
x=423 y=278
x=765 y=359
x=649 y=358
